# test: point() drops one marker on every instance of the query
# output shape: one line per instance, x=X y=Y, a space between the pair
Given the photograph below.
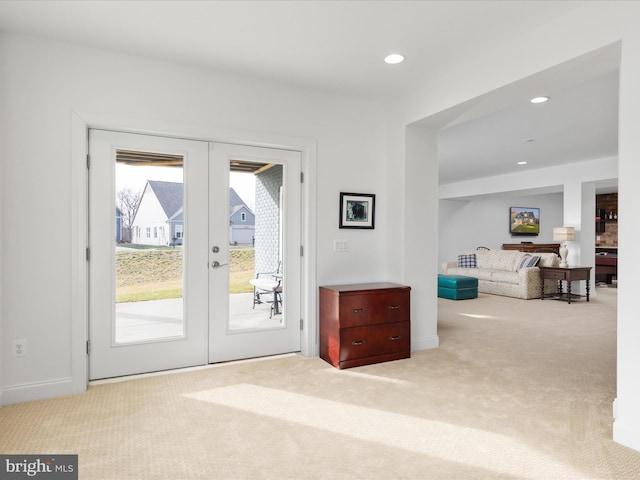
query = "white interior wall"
x=540 y=180
x=626 y=428
x=3 y=130
x=465 y=225
x=588 y=27
x=47 y=84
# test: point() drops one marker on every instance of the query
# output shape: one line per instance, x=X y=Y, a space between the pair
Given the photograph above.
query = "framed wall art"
x=524 y=221
x=357 y=210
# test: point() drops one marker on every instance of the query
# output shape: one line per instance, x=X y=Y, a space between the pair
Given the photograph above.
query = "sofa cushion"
x=505 y=277
x=479 y=273
x=467 y=261
x=507 y=260
x=528 y=261
x=548 y=260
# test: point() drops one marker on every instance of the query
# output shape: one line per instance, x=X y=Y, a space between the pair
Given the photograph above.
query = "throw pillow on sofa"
x=467 y=261
x=529 y=261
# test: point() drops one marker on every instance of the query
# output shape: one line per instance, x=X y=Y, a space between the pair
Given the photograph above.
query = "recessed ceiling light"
x=522 y=163
x=539 y=99
x=394 y=58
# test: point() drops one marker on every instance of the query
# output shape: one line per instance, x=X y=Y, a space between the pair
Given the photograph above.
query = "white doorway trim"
x=80 y=124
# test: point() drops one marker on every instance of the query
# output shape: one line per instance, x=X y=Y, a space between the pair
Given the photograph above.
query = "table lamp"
x=564 y=235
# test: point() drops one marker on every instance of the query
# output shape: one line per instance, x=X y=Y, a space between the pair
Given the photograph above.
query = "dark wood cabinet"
x=365 y=323
x=606 y=265
x=532 y=247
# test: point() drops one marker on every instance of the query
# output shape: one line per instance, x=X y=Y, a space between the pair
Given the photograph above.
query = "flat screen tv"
x=524 y=221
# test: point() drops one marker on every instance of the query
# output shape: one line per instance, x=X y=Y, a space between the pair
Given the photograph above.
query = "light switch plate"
x=340 y=246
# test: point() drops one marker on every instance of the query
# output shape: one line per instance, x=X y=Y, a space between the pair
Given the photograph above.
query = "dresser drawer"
x=361 y=310
x=360 y=342
x=554 y=275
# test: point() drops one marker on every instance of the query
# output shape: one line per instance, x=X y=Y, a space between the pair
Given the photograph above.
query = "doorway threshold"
x=126 y=378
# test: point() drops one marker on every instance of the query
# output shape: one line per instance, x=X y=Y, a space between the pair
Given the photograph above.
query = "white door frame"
x=80 y=125
x=110 y=358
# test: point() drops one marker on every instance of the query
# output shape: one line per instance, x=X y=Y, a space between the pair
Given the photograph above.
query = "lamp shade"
x=563 y=234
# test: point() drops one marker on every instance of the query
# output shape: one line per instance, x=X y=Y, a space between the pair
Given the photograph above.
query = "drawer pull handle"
x=358 y=342
x=395 y=337
x=358 y=310
x=394 y=307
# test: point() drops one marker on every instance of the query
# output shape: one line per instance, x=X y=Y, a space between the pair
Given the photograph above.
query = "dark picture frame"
x=357 y=210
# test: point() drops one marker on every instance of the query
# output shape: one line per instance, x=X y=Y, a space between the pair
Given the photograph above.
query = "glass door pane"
x=149 y=247
x=255 y=265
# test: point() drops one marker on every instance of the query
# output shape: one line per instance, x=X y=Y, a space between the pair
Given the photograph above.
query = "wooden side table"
x=569 y=274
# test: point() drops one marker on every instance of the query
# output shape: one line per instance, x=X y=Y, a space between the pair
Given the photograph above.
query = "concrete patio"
x=157 y=319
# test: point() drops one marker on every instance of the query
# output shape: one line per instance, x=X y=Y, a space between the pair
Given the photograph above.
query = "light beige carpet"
x=518 y=389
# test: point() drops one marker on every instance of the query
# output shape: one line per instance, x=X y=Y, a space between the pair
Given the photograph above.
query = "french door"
x=166 y=231
x=277 y=254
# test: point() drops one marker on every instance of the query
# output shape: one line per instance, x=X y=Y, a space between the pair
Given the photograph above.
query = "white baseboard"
x=425 y=343
x=626 y=435
x=36 y=391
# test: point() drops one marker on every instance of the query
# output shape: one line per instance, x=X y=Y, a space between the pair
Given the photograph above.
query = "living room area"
x=480 y=185
x=495 y=387
x=555 y=154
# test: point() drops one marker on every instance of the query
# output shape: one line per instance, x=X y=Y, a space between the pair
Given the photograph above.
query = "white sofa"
x=499 y=272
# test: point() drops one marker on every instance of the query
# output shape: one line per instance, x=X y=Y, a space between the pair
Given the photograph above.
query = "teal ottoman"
x=457 y=287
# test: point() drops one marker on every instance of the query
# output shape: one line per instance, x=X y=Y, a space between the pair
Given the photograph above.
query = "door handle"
x=217 y=264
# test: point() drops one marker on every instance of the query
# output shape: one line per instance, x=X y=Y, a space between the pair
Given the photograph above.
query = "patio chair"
x=270 y=284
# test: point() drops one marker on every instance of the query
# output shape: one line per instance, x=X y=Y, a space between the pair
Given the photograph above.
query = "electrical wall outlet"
x=20 y=348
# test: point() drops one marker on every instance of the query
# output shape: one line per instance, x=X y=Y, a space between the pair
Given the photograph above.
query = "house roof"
x=235 y=202
x=170 y=195
x=235 y=208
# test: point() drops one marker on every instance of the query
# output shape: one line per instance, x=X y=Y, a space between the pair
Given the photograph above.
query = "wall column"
x=626 y=427
x=587 y=239
x=421 y=234
x=573 y=218
x=579 y=211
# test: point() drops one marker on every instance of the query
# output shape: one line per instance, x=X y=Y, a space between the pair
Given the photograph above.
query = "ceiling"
x=489 y=135
x=338 y=47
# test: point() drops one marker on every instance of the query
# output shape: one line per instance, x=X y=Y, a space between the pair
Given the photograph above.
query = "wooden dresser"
x=365 y=323
x=532 y=247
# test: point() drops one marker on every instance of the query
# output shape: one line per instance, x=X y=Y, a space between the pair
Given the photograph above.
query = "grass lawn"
x=156 y=274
